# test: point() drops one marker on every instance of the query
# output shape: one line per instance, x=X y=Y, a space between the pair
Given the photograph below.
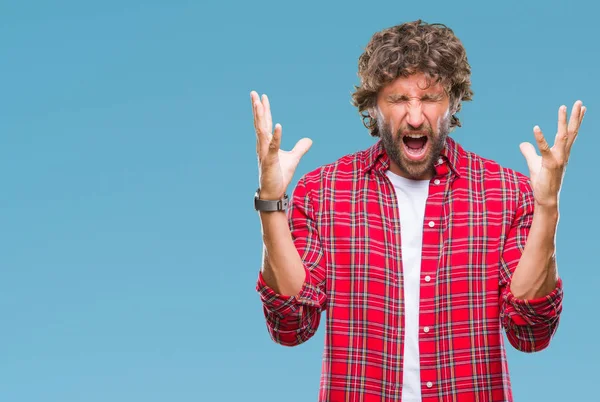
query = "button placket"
x=430 y=256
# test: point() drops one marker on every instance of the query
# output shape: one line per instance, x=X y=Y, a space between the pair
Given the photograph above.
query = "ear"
x=455 y=106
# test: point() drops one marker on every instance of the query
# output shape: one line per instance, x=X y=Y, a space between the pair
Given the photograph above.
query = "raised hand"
x=547 y=171
x=276 y=167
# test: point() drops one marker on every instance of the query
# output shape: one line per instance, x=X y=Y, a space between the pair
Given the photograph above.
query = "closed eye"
x=431 y=99
x=425 y=98
x=398 y=99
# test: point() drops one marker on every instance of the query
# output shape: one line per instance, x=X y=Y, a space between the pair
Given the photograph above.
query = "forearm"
x=282 y=268
x=536 y=273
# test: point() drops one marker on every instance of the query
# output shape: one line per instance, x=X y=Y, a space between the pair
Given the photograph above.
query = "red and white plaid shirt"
x=345 y=223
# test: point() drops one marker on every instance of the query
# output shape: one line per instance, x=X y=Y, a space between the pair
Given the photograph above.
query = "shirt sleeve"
x=529 y=324
x=292 y=320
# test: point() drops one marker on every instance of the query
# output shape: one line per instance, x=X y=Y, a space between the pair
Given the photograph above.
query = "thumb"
x=528 y=151
x=301 y=147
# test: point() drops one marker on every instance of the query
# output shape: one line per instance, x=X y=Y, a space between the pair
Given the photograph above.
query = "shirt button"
x=436 y=182
x=426 y=329
x=440 y=161
x=431 y=224
x=429 y=384
x=427 y=278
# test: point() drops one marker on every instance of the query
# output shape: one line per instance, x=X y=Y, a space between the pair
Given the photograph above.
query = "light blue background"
x=129 y=248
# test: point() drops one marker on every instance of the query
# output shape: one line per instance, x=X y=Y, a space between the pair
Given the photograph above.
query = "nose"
x=415 y=116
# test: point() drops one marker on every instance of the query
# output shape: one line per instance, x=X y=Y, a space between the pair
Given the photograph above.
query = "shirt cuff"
x=283 y=305
x=536 y=311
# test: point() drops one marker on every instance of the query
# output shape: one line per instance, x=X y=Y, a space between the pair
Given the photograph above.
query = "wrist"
x=548 y=203
x=266 y=203
x=269 y=196
x=548 y=210
x=269 y=190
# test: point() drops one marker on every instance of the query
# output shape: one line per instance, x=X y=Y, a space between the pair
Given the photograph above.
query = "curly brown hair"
x=405 y=49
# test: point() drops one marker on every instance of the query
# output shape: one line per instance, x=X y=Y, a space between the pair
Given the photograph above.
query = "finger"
x=583 y=110
x=574 y=136
x=263 y=137
x=575 y=118
x=581 y=114
x=573 y=127
x=541 y=141
x=255 y=100
x=253 y=97
x=275 y=143
x=562 y=132
x=268 y=117
x=261 y=124
x=301 y=147
x=262 y=119
x=528 y=151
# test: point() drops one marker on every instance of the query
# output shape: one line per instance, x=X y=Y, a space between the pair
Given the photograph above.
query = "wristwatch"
x=270 y=205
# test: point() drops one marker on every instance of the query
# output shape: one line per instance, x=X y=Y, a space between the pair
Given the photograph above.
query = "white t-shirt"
x=412 y=196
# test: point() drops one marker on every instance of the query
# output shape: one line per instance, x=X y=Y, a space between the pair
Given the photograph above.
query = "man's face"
x=413 y=122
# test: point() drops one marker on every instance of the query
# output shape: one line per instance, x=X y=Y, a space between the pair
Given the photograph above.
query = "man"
x=420 y=252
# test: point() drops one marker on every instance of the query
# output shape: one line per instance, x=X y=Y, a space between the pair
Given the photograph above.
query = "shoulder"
x=346 y=168
x=492 y=173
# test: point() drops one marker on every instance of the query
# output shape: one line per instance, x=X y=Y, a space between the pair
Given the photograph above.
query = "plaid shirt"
x=345 y=223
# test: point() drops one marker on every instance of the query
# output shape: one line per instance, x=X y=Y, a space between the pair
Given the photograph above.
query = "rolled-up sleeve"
x=292 y=320
x=529 y=324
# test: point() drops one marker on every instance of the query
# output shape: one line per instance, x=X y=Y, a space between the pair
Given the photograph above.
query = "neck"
x=427 y=175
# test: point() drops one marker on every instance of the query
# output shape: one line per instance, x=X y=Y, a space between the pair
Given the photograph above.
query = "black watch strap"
x=270 y=205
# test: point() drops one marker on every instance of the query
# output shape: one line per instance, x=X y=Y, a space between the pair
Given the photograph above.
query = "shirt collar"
x=375 y=157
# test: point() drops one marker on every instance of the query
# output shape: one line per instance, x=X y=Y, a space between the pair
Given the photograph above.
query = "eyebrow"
x=403 y=97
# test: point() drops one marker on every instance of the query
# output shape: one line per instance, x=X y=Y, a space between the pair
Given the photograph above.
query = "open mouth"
x=415 y=145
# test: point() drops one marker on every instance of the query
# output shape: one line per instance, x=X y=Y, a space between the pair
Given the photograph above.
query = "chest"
x=459 y=235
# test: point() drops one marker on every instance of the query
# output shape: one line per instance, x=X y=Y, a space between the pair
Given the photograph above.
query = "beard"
x=393 y=145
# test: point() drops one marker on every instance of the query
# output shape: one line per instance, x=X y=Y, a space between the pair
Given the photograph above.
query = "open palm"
x=547 y=170
x=276 y=166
